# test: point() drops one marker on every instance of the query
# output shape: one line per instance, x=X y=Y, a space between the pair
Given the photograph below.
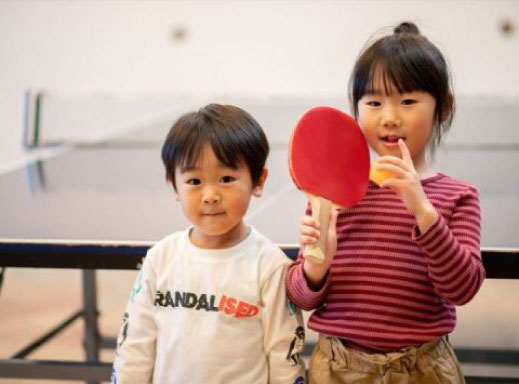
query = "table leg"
x=90 y=313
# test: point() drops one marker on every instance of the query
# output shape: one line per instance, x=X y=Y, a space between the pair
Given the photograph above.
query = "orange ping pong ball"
x=379 y=175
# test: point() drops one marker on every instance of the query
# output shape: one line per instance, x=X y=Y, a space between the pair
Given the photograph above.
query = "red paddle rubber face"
x=329 y=156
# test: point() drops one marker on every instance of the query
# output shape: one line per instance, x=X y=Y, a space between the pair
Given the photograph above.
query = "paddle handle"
x=321 y=210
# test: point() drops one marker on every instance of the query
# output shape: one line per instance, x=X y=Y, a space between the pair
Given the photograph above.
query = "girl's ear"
x=447 y=108
x=257 y=191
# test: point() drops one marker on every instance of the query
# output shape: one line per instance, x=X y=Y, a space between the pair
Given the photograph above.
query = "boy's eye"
x=227 y=179
x=193 y=181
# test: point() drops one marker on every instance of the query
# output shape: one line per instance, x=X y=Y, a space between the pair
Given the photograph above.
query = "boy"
x=209 y=304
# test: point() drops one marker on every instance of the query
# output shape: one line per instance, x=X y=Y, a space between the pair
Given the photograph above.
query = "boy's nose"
x=211 y=196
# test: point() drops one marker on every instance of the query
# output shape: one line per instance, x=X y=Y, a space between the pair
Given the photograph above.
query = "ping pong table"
x=102 y=205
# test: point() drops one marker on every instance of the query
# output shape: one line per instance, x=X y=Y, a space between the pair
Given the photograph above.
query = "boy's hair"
x=233 y=134
x=409 y=62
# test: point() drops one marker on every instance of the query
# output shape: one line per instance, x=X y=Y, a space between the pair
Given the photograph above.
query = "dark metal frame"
x=90 y=256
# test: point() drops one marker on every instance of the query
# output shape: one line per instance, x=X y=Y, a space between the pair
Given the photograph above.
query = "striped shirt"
x=390 y=286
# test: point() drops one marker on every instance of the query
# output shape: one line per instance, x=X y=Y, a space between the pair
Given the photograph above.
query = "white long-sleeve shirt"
x=210 y=316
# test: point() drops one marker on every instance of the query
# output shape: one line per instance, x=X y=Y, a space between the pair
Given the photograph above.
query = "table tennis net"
x=53 y=118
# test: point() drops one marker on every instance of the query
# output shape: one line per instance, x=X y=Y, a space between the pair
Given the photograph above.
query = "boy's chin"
x=221 y=234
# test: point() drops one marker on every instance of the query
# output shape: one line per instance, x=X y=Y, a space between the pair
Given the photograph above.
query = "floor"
x=52 y=295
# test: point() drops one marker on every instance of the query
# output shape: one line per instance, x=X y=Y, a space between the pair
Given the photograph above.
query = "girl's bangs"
x=397 y=74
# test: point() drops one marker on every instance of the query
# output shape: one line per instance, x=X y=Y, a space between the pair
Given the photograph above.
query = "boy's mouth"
x=213 y=213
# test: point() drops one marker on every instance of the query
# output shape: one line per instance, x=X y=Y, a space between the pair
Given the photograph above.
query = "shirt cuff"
x=314 y=294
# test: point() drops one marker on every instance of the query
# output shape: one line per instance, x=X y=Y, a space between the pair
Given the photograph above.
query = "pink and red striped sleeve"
x=453 y=252
x=298 y=290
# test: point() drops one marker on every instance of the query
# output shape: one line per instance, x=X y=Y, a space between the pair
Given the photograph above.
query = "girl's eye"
x=408 y=101
x=373 y=103
x=227 y=179
x=194 y=181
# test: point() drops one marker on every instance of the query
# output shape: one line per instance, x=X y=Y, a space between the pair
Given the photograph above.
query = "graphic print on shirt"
x=292 y=309
x=137 y=288
x=124 y=330
x=296 y=345
x=113 y=378
x=209 y=302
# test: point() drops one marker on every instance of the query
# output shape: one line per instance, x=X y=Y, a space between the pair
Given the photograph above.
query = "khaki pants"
x=434 y=362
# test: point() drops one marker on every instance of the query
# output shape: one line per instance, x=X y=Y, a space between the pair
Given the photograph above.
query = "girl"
x=401 y=259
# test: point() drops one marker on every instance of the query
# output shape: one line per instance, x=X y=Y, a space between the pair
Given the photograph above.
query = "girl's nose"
x=390 y=118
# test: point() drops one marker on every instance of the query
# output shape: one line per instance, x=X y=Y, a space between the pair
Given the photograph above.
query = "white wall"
x=251 y=48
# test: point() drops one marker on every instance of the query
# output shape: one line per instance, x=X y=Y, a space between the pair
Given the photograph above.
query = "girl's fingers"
x=309 y=232
x=309 y=221
x=390 y=183
x=397 y=170
x=388 y=159
x=307 y=240
x=395 y=161
x=406 y=156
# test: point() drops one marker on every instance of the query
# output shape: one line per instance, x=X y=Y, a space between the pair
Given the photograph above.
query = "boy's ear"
x=257 y=191
x=175 y=193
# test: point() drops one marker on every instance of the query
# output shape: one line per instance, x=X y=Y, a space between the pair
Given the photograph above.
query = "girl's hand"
x=315 y=272
x=408 y=187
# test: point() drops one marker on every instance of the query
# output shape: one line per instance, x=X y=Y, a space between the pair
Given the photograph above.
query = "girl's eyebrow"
x=374 y=92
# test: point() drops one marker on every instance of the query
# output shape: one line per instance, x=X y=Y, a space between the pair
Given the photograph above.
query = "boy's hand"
x=315 y=272
x=408 y=187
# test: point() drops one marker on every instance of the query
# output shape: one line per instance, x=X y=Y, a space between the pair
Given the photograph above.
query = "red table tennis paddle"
x=329 y=160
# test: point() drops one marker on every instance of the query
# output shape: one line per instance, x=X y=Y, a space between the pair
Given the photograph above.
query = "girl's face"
x=385 y=118
x=215 y=198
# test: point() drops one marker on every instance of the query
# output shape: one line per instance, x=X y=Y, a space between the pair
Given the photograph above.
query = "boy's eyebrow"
x=189 y=168
x=194 y=168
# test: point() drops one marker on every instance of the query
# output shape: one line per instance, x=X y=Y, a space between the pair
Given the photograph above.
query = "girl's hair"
x=409 y=62
x=233 y=134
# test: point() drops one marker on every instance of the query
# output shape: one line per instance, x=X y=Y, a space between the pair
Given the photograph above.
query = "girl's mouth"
x=391 y=140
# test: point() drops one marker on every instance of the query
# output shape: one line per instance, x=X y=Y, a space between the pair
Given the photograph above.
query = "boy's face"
x=215 y=198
